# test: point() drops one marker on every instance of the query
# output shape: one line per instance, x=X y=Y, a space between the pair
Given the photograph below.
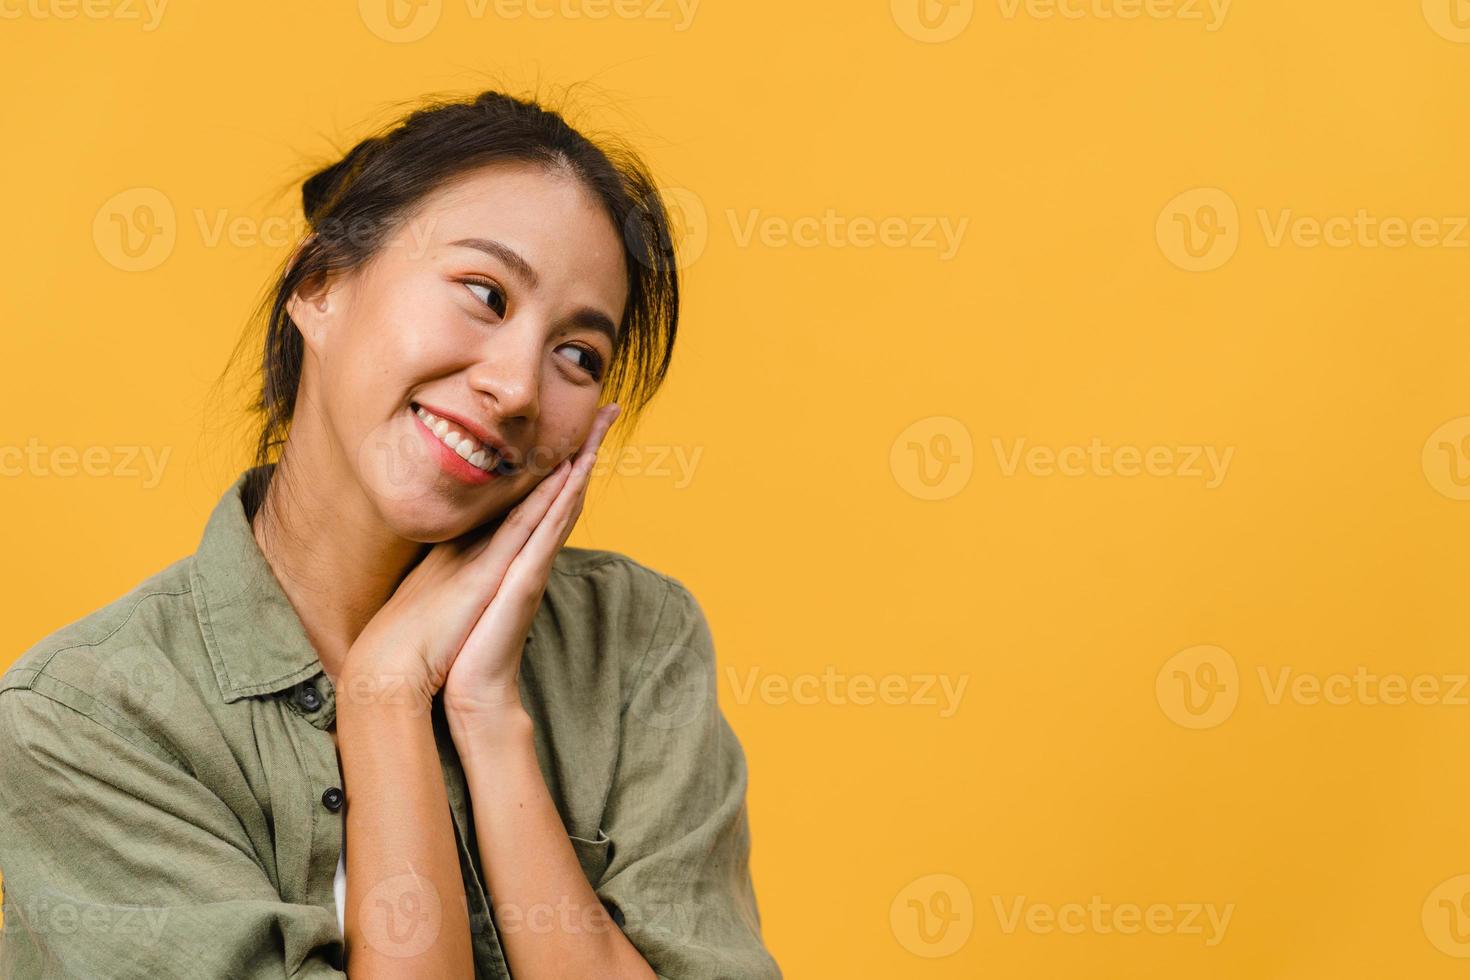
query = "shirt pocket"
x=593 y=854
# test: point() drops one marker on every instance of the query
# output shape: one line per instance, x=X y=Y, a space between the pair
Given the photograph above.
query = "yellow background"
x=849 y=508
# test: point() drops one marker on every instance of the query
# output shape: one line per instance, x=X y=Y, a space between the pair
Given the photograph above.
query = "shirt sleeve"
x=117 y=862
x=678 y=877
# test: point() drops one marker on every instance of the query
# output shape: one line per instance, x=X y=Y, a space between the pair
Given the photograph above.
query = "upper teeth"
x=466 y=445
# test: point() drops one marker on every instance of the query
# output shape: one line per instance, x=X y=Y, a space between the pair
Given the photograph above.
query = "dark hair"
x=352 y=206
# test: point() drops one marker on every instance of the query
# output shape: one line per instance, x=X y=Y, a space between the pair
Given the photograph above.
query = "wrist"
x=489 y=725
x=374 y=684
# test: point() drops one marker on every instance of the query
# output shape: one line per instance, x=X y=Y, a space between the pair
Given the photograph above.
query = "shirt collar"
x=255 y=638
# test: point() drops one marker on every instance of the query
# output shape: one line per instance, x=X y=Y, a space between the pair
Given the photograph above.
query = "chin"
x=429 y=519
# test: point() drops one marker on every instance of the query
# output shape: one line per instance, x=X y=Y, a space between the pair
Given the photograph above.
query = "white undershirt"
x=339 y=891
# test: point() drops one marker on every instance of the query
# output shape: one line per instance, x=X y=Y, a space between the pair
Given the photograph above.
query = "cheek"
x=567 y=419
x=410 y=335
x=399 y=307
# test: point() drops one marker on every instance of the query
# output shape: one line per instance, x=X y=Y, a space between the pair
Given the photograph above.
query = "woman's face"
x=487 y=314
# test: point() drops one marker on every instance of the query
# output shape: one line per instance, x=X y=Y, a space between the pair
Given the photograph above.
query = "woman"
x=382 y=721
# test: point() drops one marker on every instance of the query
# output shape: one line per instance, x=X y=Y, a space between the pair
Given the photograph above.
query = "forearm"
x=406 y=915
x=552 y=924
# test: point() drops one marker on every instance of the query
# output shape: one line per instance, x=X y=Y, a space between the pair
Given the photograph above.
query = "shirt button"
x=308 y=698
x=332 y=799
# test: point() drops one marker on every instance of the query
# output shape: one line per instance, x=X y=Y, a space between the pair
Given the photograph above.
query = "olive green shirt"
x=171 y=803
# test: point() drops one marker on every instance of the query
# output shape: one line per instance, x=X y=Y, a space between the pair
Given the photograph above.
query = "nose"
x=507 y=377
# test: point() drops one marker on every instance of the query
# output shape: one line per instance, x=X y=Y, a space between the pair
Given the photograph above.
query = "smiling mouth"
x=466 y=446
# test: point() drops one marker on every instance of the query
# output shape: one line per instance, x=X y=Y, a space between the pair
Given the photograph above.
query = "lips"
x=473 y=447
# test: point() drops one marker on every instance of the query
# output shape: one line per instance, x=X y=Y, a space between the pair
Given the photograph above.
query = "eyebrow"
x=505 y=254
x=585 y=317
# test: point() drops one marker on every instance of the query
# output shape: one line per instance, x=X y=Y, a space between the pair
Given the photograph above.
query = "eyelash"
x=597 y=366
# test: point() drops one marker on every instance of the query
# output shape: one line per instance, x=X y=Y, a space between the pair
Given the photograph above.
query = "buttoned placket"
x=314 y=702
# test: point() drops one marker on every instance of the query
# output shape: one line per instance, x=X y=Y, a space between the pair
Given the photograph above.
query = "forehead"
x=515 y=198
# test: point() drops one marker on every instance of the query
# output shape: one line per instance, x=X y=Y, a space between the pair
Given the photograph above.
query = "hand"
x=408 y=650
x=484 y=678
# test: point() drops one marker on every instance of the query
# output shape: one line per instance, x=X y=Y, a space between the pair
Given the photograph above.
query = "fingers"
x=547 y=503
x=553 y=530
x=494 y=554
x=563 y=511
x=601 y=422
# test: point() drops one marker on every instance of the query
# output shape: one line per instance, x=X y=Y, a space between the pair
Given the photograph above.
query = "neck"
x=335 y=559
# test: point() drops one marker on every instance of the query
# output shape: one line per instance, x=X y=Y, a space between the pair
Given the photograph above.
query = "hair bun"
x=321 y=189
x=318 y=189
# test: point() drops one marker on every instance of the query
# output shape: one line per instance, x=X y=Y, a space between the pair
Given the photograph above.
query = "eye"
x=593 y=363
x=494 y=296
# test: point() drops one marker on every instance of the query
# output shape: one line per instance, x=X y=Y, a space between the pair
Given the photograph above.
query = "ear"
x=314 y=307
